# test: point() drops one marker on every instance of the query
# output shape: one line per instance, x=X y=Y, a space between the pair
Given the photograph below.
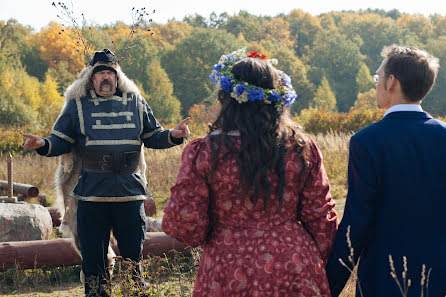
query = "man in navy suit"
x=396 y=202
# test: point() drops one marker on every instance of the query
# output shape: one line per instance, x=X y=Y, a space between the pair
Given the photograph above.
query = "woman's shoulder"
x=197 y=150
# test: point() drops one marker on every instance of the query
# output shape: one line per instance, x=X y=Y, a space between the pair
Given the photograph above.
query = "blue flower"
x=290 y=97
x=226 y=84
x=217 y=67
x=214 y=78
x=240 y=89
x=274 y=96
x=255 y=94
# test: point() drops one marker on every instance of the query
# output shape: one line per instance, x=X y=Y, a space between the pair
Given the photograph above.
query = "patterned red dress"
x=246 y=251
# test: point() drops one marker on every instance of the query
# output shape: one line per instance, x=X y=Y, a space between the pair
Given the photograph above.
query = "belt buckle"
x=107 y=161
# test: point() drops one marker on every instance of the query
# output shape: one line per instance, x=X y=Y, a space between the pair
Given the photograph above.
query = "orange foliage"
x=57 y=44
x=202 y=115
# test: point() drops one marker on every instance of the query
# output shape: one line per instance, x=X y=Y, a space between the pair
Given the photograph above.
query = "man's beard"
x=105 y=82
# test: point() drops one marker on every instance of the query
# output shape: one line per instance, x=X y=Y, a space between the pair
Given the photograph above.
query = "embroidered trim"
x=113 y=126
x=109 y=199
x=150 y=134
x=93 y=94
x=127 y=114
x=80 y=115
x=63 y=136
x=169 y=140
x=141 y=110
x=101 y=99
x=124 y=98
x=50 y=146
x=112 y=142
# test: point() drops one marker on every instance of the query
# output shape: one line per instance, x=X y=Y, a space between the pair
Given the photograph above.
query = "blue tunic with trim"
x=113 y=124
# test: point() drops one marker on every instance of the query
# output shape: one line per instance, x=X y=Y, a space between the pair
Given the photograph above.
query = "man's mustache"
x=105 y=82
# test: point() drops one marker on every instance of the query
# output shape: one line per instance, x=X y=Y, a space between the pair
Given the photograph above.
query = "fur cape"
x=70 y=164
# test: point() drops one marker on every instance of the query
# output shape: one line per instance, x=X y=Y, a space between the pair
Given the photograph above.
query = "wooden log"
x=55 y=216
x=60 y=252
x=24 y=189
x=150 y=207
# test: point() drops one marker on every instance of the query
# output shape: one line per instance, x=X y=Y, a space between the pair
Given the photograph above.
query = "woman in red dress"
x=254 y=193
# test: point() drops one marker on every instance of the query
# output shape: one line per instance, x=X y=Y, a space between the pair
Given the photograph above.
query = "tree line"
x=331 y=59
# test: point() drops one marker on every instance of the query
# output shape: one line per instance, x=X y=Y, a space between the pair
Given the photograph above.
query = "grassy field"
x=168 y=276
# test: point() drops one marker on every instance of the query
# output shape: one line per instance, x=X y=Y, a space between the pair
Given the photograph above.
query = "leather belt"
x=110 y=162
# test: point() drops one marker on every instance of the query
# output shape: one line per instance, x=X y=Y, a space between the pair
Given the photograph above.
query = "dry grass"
x=168 y=276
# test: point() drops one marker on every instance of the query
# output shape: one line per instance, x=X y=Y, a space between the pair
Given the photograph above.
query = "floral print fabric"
x=247 y=251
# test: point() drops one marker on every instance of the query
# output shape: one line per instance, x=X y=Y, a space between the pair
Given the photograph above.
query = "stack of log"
x=60 y=252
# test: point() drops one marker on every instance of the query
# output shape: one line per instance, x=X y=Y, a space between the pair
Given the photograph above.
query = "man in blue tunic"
x=102 y=128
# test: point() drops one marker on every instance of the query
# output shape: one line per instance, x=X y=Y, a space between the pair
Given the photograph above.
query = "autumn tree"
x=191 y=62
x=435 y=101
x=303 y=29
x=277 y=29
x=172 y=32
x=365 y=101
x=292 y=66
x=418 y=24
x=338 y=58
x=160 y=94
x=325 y=98
x=375 y=32
x=57 y=45
x=12 y=41
x=52 y=102
x=18 y=106
x=364 y=80
x=249 y=25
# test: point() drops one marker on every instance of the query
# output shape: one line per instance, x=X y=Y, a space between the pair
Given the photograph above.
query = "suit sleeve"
x=186 y=213
x=316 y=205
x=359 y=216
x=153 y=134
x=63 y=134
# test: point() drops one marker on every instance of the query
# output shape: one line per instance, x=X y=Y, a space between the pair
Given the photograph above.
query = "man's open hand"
x=32 y=141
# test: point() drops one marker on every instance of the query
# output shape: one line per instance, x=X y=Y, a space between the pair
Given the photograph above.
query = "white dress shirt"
x=404 y=107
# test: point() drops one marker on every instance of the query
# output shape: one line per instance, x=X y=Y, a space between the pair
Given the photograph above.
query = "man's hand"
x=181 y=130
x=32 y=141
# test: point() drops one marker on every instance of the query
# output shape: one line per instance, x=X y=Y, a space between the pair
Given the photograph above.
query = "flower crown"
x=282 y=95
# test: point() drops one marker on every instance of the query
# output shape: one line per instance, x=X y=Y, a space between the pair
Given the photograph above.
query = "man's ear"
x=392 y=82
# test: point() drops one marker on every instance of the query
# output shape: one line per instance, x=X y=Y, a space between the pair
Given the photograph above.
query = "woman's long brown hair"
x=263 y=129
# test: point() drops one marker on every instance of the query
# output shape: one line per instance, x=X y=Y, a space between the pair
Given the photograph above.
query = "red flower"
x=255 y=54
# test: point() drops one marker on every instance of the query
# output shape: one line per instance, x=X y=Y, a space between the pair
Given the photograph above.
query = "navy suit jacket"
x=396 y=205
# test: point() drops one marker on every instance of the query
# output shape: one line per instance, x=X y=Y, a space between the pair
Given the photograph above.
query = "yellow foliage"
x=317 y=121
x=171 y=32
x=278 y=29
x=10 y=140
x=20 y=86
x=366 y=100
x=7 y=79
x=57 y=44
x=53 y=101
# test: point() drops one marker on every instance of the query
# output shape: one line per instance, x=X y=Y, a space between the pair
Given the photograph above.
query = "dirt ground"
x=66 y=290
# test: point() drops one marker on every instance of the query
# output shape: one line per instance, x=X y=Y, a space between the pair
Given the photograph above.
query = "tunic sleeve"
x=317 y=212
x=153 y=134
x=186 y=212
x=63 y=134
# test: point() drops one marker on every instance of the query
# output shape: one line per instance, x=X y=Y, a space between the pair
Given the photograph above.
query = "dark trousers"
x=94 y=221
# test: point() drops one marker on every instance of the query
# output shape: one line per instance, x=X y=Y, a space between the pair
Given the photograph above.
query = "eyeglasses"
x=376 y=78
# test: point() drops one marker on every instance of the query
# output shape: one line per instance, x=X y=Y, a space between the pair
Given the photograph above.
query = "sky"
x=38 y=13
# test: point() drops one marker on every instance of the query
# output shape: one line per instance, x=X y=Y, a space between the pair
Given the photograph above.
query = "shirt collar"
x=404 y=107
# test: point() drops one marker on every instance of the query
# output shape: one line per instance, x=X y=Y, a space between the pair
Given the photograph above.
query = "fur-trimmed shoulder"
x=78 y=88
